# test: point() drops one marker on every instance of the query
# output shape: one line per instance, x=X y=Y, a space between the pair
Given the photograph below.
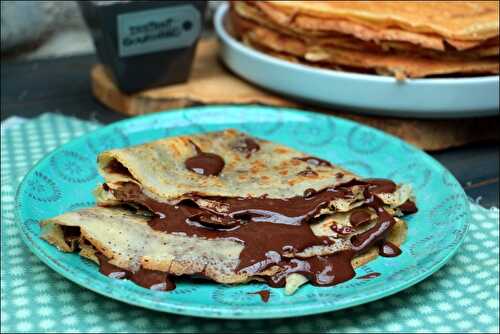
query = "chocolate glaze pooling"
x=271 y=228
x=320 y=270
x=109 y=269
x=204 y=163
x=361 y=242
x=369 y=276
x=342 y=230
x=388 y=249
x=264 y=295
x=266 y=232
x=377 y=186
x=408 y=207
x=71 y=232
x=152 y=279
x=359 y=217
x=149 y=279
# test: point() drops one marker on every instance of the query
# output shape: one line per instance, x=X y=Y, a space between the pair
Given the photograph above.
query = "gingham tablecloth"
x=461 y=297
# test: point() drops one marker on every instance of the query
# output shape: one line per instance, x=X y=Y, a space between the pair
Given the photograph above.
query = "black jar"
x=145 y=44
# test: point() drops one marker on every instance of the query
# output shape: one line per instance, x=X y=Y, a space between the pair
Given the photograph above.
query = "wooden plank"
x=477 y=168
x=211 y=83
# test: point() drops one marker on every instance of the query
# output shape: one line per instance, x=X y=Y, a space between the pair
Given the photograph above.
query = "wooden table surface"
x=62 y=85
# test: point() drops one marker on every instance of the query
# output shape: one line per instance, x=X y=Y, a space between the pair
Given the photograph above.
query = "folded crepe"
x=461 y=20
x=397 y=64
x=374 y=37
x=126 y=247
x=232 y=208
x=375 y=41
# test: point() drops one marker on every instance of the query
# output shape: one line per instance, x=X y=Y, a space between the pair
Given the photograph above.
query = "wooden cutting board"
x=212 y=83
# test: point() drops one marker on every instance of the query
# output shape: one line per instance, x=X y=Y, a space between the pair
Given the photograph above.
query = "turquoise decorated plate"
x=451 y=97
x=64 y=179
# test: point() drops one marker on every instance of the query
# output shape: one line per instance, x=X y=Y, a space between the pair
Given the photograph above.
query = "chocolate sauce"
x=271 y=228
x=369 y=276
x=152 y=279
x=408 y=207
x=289 y=211
x=149 y=279
x=109 y=269
x=265 y=242
x=377 y=186
x=388 y=249
x=281 y=228
x=342 y=230
x=247 y=146
x=315 y=161
x=264 y=295
x=70 y=232
x=116 y=167
x=309 y=192
x=204 y=163
x=320 y=270
x=359 y=217
x=361 y=242
x=292 y=210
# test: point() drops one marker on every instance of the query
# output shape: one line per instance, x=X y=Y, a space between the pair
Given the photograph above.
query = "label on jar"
x=158 y=29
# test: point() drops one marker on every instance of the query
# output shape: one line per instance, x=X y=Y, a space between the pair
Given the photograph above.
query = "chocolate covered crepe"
x=232 y=208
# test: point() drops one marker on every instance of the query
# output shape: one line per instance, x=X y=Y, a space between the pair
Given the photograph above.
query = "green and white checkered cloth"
x=461 y=297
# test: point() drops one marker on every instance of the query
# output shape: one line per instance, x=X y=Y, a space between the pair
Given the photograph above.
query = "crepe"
x=374 y=37
x=461 y=20
x=311 y=26
x=231 y=208
x=403 y=65
x=243 y=11
x=126 y=239
x=273 y=170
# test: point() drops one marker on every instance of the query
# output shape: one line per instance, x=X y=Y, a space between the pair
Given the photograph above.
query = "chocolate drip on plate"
x=109 y=269
x=369 y=276
x=152 y=279
x=408 y=207
x=149 y=279
x=264 y=295
x=388 y=249
x=377 y=186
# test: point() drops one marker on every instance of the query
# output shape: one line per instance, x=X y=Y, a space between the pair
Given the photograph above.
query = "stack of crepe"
x=231 y=208
x=401 y=38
